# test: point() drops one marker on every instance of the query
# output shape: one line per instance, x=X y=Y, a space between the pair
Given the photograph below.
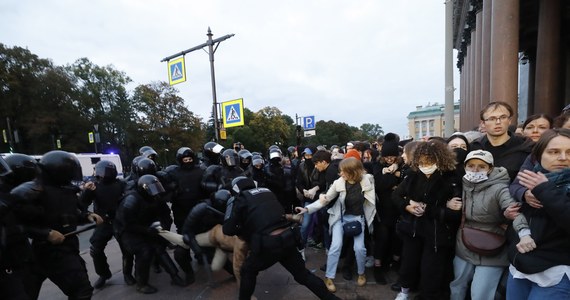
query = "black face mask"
x=309 y=163
x=460 y=155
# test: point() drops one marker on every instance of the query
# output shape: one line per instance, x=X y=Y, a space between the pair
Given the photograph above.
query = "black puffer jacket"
x=437 y=225
x=550 y=229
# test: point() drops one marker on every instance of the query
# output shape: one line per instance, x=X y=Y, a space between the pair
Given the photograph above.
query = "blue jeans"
x=526 y=289
x=308 y=220
x=336 y=246
x=485 y=280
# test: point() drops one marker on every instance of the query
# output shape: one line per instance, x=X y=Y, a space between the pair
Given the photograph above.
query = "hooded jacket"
x=484 y=204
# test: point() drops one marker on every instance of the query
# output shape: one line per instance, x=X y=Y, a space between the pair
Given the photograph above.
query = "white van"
x=88 y=161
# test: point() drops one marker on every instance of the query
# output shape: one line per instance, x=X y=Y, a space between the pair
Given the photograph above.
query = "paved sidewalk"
x=273 y=284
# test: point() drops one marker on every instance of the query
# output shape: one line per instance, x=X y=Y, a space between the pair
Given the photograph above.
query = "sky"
x=363 y=61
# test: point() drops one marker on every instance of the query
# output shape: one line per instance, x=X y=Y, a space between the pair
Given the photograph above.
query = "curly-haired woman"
x=422 y=197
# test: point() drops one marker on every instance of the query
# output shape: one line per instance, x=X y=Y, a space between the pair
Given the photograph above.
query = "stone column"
x=504 y=52
x=547 y=87
x=478 y=50
x=485 y=52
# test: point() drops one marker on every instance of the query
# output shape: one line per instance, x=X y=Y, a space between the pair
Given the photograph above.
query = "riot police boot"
x=128 y=271
x=142 y=284
x=146 y=289
x=184 y=260
x=100 y=282
x=170 y=268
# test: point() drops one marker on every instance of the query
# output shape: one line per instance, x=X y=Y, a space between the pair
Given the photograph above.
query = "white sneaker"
x=303 y=254
x=402 y=296
x=369 y=262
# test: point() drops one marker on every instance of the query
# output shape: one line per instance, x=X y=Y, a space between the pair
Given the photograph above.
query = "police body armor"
x=260 y=213
x=218 y=177
x=106 y=198
x=187 y=187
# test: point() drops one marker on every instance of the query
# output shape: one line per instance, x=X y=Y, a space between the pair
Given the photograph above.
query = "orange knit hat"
x=353 y=153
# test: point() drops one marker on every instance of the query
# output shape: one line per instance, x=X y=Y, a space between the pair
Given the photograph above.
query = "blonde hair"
x=352 y=169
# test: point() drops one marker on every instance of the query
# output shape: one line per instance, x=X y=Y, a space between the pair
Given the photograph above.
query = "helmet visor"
x=4 y=167
x=154 y=188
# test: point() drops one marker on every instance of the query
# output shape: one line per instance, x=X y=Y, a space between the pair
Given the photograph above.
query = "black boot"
x=128 y=270
x=146 y=289
x=184 y=260
x=170 y=268
x=100 y=282
x=379 y=275
x=347 y=272
x=142 y=281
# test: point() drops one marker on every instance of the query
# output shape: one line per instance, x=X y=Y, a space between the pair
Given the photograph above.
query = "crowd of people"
x=479 y=215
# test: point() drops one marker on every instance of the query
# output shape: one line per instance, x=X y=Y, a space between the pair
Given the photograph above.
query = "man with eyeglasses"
x=508 y=150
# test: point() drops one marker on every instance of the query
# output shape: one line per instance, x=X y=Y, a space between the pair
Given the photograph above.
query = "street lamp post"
x=211 y=50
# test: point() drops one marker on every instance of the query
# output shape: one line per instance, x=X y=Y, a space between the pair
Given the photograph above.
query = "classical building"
x=516 y=51
x=429 y=121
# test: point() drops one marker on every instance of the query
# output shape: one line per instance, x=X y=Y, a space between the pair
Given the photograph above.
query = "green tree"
x=165 y=123
x=371 y=131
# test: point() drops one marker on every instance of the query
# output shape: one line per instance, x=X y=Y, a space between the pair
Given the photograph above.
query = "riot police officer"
x=256 y=215
x=244 y=158
x=15 y=250
x=211 y=154
x=256 y=171
x=105 y=192
x=187 y=192
x=51 y=218
x=220 y=176
x=134 y=223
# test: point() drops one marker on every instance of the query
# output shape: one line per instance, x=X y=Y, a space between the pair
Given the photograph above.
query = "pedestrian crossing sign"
x=176 y=71
x=232 y=113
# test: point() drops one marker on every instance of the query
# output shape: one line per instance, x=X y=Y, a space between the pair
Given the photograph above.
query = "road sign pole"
x=211 y=50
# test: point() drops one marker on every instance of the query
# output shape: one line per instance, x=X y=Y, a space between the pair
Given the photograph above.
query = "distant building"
x=429 y=121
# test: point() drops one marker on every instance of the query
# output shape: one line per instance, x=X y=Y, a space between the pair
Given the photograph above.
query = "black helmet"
x=230 y=158
x=220 y=199
x=60 y=167
x=146 y=166
x=149 y=185
x=257 y=160
x=24 y=168
x=170 y=168
x=242 y=183
x=275 y=154
x=4 y=167
x=150 y=153
x=105 y=170
x=143 y=149
x=212 y=151
x=245 y=158
x=185 y=152
x=291 y=150
x=135 y=164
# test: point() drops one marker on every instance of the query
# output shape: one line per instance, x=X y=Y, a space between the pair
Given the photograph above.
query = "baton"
x=78 y=231
x=215 y=211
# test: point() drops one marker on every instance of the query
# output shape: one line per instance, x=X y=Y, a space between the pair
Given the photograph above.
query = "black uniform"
x=105 y=198
x=187 y=193
x=135 y=215
x=15 y=250
x=54 y=207
x=257 y=216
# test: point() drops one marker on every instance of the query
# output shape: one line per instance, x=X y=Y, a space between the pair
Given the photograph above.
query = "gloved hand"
x=155 y=228
x=190 y=240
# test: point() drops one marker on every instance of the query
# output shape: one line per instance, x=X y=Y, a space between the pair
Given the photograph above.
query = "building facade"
x=429 y=121
x=515 y=51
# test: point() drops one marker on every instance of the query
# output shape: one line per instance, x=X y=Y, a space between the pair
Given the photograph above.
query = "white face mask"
x=475 y=177
x=428 y=170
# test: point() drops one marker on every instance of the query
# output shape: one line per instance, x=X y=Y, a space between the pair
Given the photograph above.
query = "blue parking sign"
x=309 y=123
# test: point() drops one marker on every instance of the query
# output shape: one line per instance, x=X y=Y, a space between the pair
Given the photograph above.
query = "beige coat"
x=338 y=188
